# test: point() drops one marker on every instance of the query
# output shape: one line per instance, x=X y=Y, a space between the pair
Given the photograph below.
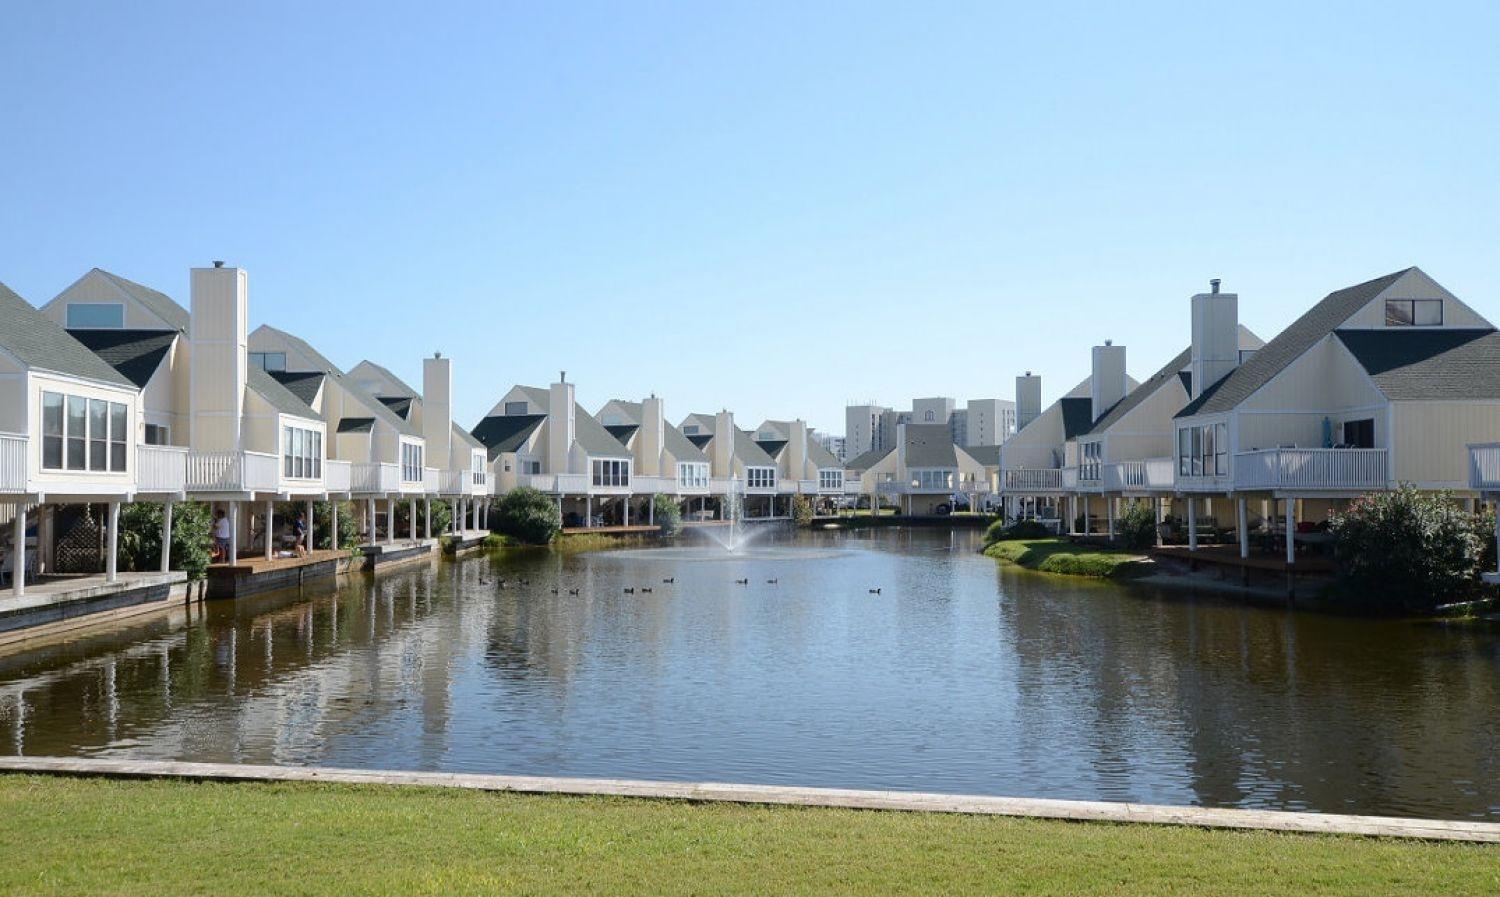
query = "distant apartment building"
x=832 y=444
x=870 y=427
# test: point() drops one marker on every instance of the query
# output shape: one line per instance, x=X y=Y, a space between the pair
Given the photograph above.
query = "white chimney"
x=1028 y=399
x=723 y=456
x=1107 y=385
x=437 y=410
x=652 y=435
x=797 y=449
x=219 y=336
x=560 y=424
x=1216 y=337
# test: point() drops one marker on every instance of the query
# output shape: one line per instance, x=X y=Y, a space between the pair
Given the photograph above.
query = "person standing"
x=221 y=536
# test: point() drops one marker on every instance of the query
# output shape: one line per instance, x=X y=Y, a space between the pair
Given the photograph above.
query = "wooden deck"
x=610 y=530
x=250 y=566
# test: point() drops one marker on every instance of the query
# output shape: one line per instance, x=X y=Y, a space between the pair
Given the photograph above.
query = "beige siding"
x=1416 y=285
x=95 y=287
x=1289 y=410
x=1039 y=444
x=37 y=383
x=1432 y=439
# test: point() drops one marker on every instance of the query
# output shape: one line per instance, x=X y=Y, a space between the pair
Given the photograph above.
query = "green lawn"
x=97 y=836
x=1057 y=555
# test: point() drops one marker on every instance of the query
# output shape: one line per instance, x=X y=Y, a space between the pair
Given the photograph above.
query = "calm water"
x=959 y=676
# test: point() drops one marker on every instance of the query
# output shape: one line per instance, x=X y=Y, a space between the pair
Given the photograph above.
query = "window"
x=411 y=462
x=301 y=453
x=609 y=472
x=269 y=361
x=932 y=480
x=760 y=477
x=531 y=467
x=928 y=416
x=1089 y=462
x=1203 y=451
x=158 y=434
x=514 y=408
x=1413 y=312
x=692 y=475
x=1359 y=433
x=96 y=315
x=690 y=429
x=84 y=434
x=830 y=480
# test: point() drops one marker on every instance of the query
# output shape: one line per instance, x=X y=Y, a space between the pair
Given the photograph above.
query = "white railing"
x=1299 y=468
x=852 y=486
x=1069 y=477
x=337 y=475
x=431 y=480
x=542 y=482
x=787 y=487
x=160 y=468
x=725 y=485
x=701 y=487
x=1024 y=479
x=12 y=462
x=1152 y=473
x=374 y=477
x=233 y=472
x=1484 y=466
x=463 y=482
x=652 y=485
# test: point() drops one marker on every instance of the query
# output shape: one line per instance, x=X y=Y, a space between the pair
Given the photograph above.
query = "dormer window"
x=96 y=316
x=269 y=361
x=514 y=409
x=1413 y=312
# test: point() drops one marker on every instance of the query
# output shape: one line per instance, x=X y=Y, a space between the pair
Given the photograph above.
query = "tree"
x=802 y=510
x=323 y=525
x=1137 y=526
x=140 y=537
x=667 y=515
x=528 y=516
x=1407 y=550
x=442 y=515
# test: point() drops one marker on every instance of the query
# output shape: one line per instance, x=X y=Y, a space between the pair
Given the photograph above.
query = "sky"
x=772 y=208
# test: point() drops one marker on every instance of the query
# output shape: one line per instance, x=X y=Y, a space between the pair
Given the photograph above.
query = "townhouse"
x=924 y=473
x=802 y=460
x=750 y=479
x=664 y=461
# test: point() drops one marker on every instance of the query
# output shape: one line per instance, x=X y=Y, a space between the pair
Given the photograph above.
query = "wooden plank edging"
x=1040 y=808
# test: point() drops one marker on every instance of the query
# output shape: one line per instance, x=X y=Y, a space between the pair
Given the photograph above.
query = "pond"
x=779 y=665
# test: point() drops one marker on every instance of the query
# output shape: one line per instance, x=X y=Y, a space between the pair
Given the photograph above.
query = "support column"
x=1291 y=527
x=1161 y=517
x=390 y=520
x=1497 y=542
x=1109 y=513
x=475 y=506
x=625 y=505
x=412 y=517
x=1243 y=524
x=333 y=525
x=311 y=528
x=588 y=511
x=166 y=537
x=266 y=525
x=112 y=562
x=18 y=543
x=651 y=511
x=370 y=508
x=1087 y=523
x=1192 y=509
x=427 y=517
x=234 y=532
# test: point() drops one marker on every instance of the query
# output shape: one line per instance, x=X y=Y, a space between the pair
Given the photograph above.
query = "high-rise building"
x=863 y=431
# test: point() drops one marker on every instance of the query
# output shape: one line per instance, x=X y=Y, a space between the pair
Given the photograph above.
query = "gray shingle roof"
x=1143 y=392
x=861 y=463
x=680 y=446
x=594 y=438
x=155 y=301
x=399 y=405
x=1288 y=345
x=750 y=453
x=404 y=390
x=773 y=447
x=633 y=411
x=464 y=437
x=622 y=432
x=356 y=424
x=302 y=384
x=930 y=445
x=821 y=457
x=988 y=455
x=280 y=398
x=1077 y=415
x=1429 y=364
x=377 y=408
x=136 y=354
x=501 y=433
x=40 y=343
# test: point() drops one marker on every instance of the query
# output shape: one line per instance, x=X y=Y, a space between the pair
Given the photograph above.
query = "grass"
x=99 y=836
x=1056 y=555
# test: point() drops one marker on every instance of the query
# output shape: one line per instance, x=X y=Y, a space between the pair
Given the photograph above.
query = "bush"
x=442 y=515
x=667 y=515
x=1000 y=531
x=1407 y=551
x=528 y=516
x=140 y=537
x=802 y=510
x=1137 y=526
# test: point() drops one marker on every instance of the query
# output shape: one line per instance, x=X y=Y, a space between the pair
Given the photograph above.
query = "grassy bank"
x=95 y=836
x=1056 y=555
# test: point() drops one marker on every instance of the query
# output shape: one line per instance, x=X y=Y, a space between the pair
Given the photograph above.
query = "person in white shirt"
x=221 y=535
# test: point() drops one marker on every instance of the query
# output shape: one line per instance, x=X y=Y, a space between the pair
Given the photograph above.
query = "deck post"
x=390 y=520
x=1291 y=546
x=370 y=507
x=333 y=525
x=112 y=562
x=267 y=523
x=651 y=511
x=1243 y=523
x=166 y=537
x=1192 y=508
x=412 y=528
x=427 y=517
x=18 y=549
x=310 y=535
x=1161 y=518
x=588 y=510
x=625 y=513
x=1109 y=513
x=1497 y=543
x=1087 y=523
x=234 y=532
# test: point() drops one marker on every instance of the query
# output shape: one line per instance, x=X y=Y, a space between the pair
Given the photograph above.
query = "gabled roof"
x=930 y=445
x=377 y=409
x=1077 y=415
x=622 y=432
x=399 y=405
x=502 y=433
x=683 y=448
x=40 y=343
x=987 y=455
x=155 y=301
x=279 y=397
x=356 y=424
x=404 y=390
x=302 y=384
x=136 y=354
x=821 y=457
x=1141 y=393
x=1429 y=364
x=749 y=452
x=861 y=463
x=595 y=440
x=633 y=411
x=773 y=447
x=1288 y=345
x=699 y=440
x=463 y=436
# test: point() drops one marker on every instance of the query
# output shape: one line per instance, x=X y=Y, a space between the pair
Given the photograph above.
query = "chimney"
x=560 y=425
x=219 y=339
x=1107 y=385
x=796 y=449
x=1216 y=336
x=723 y=455
x=653 y=433
x=437 y=411
x=1028 y=399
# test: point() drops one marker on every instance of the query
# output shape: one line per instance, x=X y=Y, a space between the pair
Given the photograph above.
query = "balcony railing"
x=853 y=486
x=1307 y=468
x=233 y=472
x=12 y=463
x=1152 y=473
x=725 y=485
x=650 y=485
x=463 y=482
x=1031 y=479
x=374 y=478
x=1484 y=466
x=432 y=480
x=160 y=468
x=337 y=475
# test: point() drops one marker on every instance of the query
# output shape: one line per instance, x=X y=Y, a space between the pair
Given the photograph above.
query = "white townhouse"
x=461 y=460
x=665 y=462
x=924 y=471
x=742 y=471
x=213 y=427
x=802 y=460
x=386 y=454
x=1385 y=382
x=543 y=439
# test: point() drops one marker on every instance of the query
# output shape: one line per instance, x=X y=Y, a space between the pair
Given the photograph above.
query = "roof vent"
x=562 y=376
x=437 y=355
x=218 y=263
x=1213 y=286
x=1109 y=342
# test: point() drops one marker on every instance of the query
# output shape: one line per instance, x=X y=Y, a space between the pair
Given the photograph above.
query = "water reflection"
x=958 y=676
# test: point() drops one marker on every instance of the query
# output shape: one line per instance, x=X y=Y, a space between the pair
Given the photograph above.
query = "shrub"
x=140 y=537
x=1000 y=531
x=528 y=516
x=667 y=515
x=802 y=510
x=1407 y=551
x=442 y=515
x=323 y=525
x=1137 y=526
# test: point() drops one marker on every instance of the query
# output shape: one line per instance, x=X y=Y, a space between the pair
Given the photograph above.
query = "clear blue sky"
x=773 y=208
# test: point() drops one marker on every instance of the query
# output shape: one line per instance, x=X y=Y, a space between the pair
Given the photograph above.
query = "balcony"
x=374 y=478
x=463 y=482
x=161 y=469
x=432 y=480
x=725 y=485
x=1484 y=466
x=12 y=463
x=337 y=475
x=649 y=485
x=1031 y=479
x=1311 y=468
x=1152 y=474
x=233 y=472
